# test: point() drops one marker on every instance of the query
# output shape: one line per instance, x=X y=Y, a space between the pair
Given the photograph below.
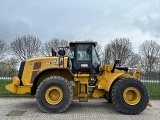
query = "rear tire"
x=54 y=94
x=130 y=96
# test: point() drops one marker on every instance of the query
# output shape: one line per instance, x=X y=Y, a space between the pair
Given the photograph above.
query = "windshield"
x=95 y=58
x=71 y=53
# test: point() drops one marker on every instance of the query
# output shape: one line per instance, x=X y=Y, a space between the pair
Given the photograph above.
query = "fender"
x=105 y=81
x=63 y=72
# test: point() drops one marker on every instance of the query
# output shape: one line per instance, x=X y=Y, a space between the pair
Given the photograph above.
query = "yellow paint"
x=136 y=73
x=83 y=96
x=54 y=95
x=23 y=89
x=131 y=96
x=46 y=63
x=14 y=87
x=81 y=86
x=149 y=104
x=105 y=80
x=98 y=93
x=63 y=73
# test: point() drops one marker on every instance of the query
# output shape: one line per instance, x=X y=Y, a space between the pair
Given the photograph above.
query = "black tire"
x=62 y=86
x=130 y=105
x=107 y=96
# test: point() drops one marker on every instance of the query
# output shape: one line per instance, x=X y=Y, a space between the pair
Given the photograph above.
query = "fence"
x=4 y=81
x=151 y=80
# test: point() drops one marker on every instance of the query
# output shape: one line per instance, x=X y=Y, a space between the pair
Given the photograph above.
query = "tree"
x=100 y=52
x=119 y=48
x=150 y=55
x=107 y=54
x=3 y=49
x=8 y=67
x=55 y=43
x=25 y=47
x=13 y=64
x=133 y=60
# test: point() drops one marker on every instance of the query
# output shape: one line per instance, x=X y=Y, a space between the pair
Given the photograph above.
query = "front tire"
x=54 y=94
x=107 y=96
x=130 y=96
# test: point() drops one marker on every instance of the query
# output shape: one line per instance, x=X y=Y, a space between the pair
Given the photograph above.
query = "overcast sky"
x=99 y=20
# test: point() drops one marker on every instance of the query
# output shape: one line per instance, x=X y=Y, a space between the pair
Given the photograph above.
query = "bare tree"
x=107 y=54
x=133 y=60
x=8 y=67
x=25 y=47
x=12 y=62
x=150 y=55
x=99 y=49
x=3 y=49
x=100 y=52
x=119 y=48
x=54 y=43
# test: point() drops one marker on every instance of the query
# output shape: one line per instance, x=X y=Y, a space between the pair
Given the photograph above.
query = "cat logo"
x=57 y=62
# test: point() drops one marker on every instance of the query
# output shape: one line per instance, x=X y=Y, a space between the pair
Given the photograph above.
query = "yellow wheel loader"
x=59 y=79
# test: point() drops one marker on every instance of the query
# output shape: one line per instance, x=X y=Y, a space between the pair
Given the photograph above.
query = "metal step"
x=83 y=93
x=83 y=97
x=91 y=86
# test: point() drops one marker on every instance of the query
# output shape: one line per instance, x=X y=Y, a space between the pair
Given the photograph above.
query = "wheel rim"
x=131 y=95
x=54 y=95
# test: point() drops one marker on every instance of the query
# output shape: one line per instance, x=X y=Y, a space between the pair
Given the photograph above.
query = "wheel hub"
x=53 y=95
x=131 y=96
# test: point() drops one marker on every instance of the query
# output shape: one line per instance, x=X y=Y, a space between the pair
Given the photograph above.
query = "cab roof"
x=83 y=42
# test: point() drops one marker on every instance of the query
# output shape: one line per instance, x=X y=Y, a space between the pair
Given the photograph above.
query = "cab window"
x=84 y=52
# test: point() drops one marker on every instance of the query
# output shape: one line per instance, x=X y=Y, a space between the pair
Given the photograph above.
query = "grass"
x=153 y=89
x=2 y=86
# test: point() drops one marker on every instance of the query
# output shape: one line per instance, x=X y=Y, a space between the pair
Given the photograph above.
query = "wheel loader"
x=59 y=79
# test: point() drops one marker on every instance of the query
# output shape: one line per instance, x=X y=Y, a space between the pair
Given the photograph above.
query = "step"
x=83 y=97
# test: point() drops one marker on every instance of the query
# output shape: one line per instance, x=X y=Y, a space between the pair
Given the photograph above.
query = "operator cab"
x=84 y=57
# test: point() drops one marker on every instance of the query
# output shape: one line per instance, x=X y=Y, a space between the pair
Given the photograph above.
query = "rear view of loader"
x=59 y=79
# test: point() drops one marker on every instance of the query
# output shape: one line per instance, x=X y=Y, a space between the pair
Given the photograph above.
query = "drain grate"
x=16 y=113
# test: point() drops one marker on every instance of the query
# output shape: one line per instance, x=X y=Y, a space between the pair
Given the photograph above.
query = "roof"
x=84 y=42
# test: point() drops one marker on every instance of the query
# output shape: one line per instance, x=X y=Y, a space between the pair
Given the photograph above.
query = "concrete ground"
x=25 y=108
